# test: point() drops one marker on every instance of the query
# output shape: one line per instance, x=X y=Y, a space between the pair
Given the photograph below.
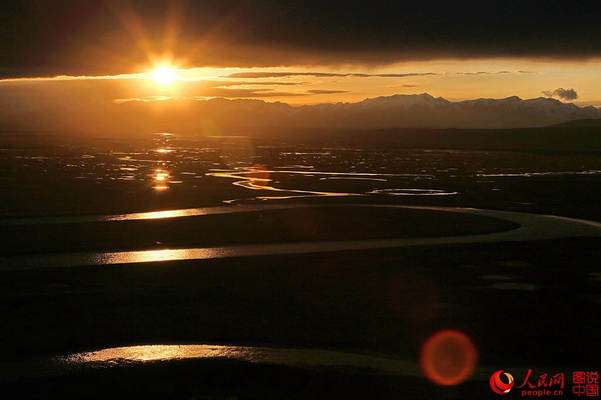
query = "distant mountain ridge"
x=426 y=111
x=241 y=116
x=403 y=111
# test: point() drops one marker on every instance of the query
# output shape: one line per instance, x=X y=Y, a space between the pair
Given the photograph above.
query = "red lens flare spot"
x=448 y=357
x=258 y=174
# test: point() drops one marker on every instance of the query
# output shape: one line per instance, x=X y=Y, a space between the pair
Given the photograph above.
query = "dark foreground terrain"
x=523 y=304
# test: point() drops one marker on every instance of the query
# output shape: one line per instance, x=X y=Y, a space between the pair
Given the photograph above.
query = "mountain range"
x=411 y=111
x=219 y=115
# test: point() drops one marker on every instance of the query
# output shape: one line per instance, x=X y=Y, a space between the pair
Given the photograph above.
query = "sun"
x=164 y=75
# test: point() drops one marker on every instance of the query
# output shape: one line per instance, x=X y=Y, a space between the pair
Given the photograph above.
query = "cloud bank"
x=561 y=93
x=110 y=108
x=254 y=75
x=82 y=37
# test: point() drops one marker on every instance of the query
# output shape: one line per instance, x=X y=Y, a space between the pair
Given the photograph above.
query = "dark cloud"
x=318 y=91
x=473 y=73
x=83 y=37
x=484 y=73
x=246 y=93
x=561 y=93
x=248 y=75
x=254 y=83
x=405 y=75
x=262 y=75
x=232 y=89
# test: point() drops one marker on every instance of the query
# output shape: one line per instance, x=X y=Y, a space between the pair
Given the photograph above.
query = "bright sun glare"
x=164 y=75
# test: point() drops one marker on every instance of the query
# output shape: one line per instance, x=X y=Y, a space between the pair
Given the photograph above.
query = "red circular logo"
x=498 y=386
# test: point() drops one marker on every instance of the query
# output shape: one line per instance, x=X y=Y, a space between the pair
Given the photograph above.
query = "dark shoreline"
x=337 y=300
x=299 y=224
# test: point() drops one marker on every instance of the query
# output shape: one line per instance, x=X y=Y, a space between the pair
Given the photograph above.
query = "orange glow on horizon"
x=168 y=76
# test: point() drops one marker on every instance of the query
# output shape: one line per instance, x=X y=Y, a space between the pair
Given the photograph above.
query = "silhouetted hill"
x=524 y=139
x=580 y=123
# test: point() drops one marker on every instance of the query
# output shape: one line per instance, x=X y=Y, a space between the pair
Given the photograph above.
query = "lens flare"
x=448 y=357
x=258 y=175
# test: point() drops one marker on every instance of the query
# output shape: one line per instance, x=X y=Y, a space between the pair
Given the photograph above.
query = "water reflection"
x=126 y=168
x=530 y=174
x=189 y=212
x=413 y=192
x=160 y=179
x=163 y=151
x=259 y=178
x=532 y=227
x=160 y=175
x=281 y=356
x=142 y=256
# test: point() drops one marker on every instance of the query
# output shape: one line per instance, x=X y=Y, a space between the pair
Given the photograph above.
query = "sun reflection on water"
x=160 y=179
x=281 y=356
x=188 y=212
x=162 y=151
x=143 y=256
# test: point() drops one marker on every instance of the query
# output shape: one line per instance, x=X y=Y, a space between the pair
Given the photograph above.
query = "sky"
x=297 y=52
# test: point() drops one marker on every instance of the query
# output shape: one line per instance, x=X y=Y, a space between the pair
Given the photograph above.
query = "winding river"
x=532 y=227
